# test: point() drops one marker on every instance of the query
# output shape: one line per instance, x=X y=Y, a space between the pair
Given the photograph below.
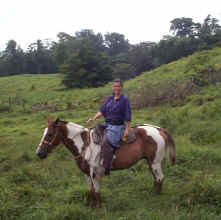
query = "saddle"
x=99 y=132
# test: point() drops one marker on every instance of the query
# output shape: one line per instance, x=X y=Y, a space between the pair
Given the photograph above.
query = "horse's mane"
x=65 y=122
x=76 y=125
x=154 y=126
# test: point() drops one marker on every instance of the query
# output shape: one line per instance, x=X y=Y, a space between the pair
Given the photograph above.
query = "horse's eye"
x=50 y=135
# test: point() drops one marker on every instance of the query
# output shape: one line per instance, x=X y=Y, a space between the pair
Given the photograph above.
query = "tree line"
x=87 y=59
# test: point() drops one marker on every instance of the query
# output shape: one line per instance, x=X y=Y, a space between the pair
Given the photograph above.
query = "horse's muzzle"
x=42 y=155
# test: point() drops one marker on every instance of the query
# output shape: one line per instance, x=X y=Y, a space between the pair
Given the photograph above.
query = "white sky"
x=25 y=21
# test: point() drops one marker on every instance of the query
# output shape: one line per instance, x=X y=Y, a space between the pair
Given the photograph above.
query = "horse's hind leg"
x=158 y=176
x=156 y=170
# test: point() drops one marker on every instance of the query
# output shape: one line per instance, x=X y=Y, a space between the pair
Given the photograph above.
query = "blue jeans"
x=114 y=134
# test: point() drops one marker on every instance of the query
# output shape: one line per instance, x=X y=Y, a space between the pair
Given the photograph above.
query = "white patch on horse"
x=74 y=133
x=156 y=167
x=96 y=182
x=88 y=153
x=93 y=151
x=149 y=125
x=159 y=155
x=42 y=139
x=155 y=134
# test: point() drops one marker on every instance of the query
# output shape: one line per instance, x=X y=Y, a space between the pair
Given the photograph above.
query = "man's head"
x=117 y=87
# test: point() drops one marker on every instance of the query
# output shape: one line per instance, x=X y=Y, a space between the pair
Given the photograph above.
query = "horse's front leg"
x=94 y=197
x=97 y=195
x=90 y=199
x=96 y=191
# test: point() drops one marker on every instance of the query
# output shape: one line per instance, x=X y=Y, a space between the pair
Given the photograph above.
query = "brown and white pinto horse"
x=150 y=144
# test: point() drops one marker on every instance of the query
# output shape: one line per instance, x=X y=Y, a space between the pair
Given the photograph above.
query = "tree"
x=209 y=29
x=39 y=57
x=184 y=27
x=11 y=48
x=124 y=71
x=12 y=59
x=86 y=67
x=96 y=39
x=63 y=49
x=141 y=56
x=116 y=43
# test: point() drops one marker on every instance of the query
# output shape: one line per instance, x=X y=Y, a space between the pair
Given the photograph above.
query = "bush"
x=4 y=108
x=167 y=92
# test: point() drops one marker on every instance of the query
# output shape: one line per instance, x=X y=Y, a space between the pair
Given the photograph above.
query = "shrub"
x=166 y=92
x=4 y=108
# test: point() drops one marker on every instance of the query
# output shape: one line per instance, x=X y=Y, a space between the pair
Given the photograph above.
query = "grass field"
x=55 y=188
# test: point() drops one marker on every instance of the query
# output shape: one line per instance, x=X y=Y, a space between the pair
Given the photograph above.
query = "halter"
x=49 y=143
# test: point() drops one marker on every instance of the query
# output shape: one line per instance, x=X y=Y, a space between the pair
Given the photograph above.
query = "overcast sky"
x=25 y=21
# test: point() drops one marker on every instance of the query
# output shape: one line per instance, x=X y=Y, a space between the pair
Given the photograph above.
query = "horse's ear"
x=57 y=120
x=48 y=119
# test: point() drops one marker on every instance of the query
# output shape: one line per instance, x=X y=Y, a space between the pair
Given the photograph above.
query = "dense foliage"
x=87 y=59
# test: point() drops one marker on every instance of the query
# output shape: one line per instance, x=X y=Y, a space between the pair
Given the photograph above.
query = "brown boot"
x=107 y=153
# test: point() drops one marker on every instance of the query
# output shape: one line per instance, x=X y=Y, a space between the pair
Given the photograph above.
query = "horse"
x=150 y=144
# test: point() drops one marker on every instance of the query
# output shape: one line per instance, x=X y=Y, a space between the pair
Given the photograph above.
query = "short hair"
x=119 y=81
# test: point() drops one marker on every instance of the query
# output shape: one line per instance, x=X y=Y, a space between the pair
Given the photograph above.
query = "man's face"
x=117 y=88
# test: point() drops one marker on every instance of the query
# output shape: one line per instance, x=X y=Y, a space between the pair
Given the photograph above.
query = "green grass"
x=55 y=188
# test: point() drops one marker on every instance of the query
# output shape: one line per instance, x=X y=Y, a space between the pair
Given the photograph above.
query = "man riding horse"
x=150 y=144
x=117 y=113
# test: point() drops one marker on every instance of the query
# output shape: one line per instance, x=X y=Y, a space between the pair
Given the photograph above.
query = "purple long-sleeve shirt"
x=118 y=109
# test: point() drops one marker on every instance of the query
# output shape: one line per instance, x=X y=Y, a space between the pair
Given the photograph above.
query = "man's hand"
x=90 y=120
x=127 y=129
x=98 y=115
x=126 y=132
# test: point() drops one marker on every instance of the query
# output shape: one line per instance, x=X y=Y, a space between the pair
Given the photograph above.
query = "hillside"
x=56 y=189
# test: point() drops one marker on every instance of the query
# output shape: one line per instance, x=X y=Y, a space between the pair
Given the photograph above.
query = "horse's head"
x=51 y=138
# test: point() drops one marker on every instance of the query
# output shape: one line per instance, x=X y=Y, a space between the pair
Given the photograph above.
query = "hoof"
x=95 y=205
x=158 y=187
x=98 y=205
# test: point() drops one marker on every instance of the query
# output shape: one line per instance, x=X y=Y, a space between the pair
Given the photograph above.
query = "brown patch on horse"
x=128 y=154
x=54 y=135
x=81 y=162
x=85 y=135
x=150 y=146
x=164 y=135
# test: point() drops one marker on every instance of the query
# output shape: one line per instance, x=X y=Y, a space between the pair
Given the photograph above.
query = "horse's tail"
x=172 y=152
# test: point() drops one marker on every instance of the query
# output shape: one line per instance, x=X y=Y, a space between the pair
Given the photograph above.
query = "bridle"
x=49 y=143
